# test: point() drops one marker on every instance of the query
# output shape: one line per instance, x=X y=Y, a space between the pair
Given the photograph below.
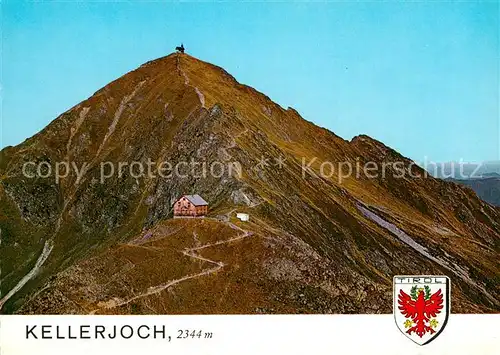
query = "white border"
x=267 y=334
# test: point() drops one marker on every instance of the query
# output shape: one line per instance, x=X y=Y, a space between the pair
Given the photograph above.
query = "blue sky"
x=421 y=77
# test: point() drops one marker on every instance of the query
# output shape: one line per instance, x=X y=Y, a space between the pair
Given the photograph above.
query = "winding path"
x=192 y=253
x=187 y=82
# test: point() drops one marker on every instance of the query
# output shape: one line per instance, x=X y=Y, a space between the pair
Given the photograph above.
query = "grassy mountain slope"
x=316 y=242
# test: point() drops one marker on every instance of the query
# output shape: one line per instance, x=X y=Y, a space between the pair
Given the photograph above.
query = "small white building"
x=243 y=216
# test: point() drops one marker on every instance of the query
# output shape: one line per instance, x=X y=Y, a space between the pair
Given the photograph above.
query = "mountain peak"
x=308 y=240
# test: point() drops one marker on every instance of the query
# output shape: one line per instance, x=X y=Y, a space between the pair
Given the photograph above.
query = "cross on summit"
x=180 y=49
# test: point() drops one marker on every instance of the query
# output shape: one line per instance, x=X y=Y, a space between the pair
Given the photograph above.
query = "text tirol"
x=420 y=280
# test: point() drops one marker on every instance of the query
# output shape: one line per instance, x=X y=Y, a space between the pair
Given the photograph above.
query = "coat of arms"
x=421 y=306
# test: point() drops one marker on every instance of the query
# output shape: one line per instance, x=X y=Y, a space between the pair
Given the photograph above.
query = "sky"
x=421 y=77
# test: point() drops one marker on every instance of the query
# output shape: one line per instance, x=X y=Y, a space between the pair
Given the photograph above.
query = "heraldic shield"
x=421 y=306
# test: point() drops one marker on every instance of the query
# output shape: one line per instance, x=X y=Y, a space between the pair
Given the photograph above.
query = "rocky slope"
x=318 y=240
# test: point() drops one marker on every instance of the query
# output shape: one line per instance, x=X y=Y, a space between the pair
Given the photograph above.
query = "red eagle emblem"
x=419 y=307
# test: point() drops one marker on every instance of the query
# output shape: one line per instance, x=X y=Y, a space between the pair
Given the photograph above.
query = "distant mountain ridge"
x=462 y=170
x=486 y=187
x=316 y=242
